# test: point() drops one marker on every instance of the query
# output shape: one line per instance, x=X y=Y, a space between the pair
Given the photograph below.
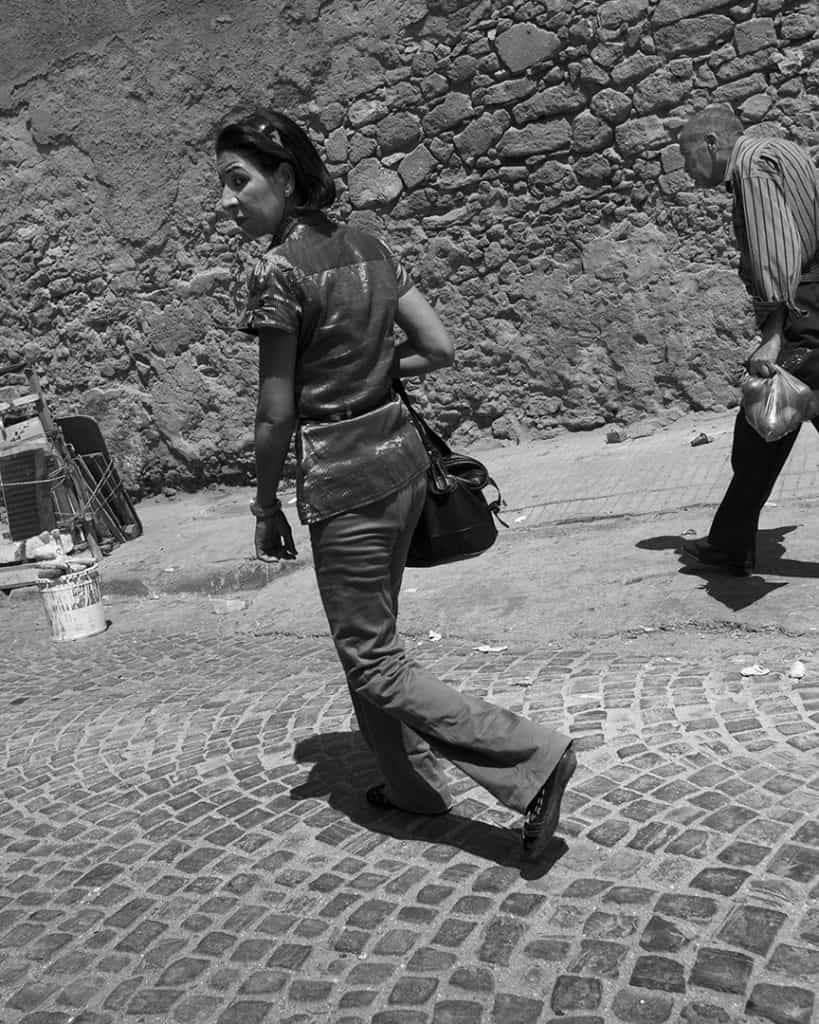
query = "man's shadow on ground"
x=738 y=592
x=343 y=768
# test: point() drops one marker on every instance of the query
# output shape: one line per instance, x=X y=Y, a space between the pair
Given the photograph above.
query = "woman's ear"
x=288 y=179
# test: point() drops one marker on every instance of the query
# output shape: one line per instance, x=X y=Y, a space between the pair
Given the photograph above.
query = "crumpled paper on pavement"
x=755 y=670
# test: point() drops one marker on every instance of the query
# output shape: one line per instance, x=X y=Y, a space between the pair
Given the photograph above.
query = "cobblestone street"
x=184 y=838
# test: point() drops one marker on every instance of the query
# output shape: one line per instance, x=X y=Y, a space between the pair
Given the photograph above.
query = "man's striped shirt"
x=776 y=218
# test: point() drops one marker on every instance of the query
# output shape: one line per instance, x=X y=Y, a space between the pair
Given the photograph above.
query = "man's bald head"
x=706 y=141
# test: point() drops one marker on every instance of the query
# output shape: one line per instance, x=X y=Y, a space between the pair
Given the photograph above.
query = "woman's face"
x=255 y=199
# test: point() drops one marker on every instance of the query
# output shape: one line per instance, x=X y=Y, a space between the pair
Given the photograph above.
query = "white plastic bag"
x=775 y=406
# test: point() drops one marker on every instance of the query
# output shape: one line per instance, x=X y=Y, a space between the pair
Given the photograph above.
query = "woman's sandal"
x=543 y=813
x=377 y=796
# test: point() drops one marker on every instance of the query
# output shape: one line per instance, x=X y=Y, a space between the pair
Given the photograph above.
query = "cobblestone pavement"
x=184 y=838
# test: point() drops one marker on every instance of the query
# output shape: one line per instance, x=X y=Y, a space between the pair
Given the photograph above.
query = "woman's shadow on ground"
x=342 y=769
x=738 y=592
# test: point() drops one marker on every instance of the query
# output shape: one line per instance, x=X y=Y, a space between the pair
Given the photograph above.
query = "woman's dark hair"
x=269 y=138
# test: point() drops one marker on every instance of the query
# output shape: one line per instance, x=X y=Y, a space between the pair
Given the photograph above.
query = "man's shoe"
x=543 y=813
x=704 y=551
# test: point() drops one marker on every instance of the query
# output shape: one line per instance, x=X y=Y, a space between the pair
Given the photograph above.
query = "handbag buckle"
x=440 y=482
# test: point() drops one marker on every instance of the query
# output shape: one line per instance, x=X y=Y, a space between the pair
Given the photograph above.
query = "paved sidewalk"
x=203 y=543
x=183 y=838
x=592 y=546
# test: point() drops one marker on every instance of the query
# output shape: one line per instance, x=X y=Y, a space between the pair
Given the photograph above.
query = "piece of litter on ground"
x=797 y=670
x=755 y=670
x=227 y=605
x=689 y=533
x=700 y=439
x=169 y=568
x=519 y=519
x=771 y=504
x=433 y=637
x=410 y=590
x=488 y=649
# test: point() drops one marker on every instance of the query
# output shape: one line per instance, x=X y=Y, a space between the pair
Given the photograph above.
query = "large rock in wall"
x=521 y=157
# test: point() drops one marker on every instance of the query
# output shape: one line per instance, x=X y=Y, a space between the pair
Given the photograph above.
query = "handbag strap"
x=438 y=449
x=435 y=445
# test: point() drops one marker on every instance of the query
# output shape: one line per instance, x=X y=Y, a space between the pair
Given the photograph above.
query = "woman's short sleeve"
x=272 y=299
x=402 y=278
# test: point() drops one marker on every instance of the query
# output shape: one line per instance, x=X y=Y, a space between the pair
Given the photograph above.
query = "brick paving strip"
x=184 y=838
x=652 y=478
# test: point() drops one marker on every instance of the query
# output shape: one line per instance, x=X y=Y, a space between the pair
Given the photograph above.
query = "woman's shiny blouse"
x=336 y=288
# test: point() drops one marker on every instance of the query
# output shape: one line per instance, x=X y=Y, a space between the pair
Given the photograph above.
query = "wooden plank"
x=13 y=576
x=20 y=402
x=26 y=444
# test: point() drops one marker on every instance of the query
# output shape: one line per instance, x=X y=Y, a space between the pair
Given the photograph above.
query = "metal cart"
x=57 y=474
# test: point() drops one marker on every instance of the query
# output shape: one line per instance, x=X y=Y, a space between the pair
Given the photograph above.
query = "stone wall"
x=520 y=156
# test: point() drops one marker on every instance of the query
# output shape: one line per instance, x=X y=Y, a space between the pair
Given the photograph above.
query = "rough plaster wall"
x=520 y=156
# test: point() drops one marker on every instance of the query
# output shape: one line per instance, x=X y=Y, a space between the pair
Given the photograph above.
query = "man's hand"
x=274 y=538
x=762 y=362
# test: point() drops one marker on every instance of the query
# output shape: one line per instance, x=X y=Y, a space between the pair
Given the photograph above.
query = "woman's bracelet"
x=265 y=511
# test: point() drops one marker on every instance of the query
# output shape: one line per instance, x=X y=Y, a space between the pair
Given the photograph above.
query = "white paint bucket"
x=73 y=604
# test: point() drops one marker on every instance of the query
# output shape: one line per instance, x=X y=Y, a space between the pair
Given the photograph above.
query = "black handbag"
x=456 y=521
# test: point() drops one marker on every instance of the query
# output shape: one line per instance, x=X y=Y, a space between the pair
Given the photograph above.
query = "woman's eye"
x=238 y=182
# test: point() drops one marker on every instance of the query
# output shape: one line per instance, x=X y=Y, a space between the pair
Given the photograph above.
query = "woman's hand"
x=274 y=538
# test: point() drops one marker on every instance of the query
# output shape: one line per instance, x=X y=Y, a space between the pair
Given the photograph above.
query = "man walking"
x=775 y=192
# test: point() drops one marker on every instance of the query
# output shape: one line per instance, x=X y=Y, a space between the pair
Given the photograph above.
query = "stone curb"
x=243 y=575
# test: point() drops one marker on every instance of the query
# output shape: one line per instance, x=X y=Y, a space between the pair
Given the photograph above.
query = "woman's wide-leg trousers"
x=408 y=717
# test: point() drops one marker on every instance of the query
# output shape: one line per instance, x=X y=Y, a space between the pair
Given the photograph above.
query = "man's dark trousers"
x=756 y=464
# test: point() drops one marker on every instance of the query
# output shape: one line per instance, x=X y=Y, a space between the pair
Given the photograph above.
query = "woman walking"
x=322 y=302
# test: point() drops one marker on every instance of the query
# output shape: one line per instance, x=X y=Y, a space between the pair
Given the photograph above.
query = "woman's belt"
x=348 y=412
